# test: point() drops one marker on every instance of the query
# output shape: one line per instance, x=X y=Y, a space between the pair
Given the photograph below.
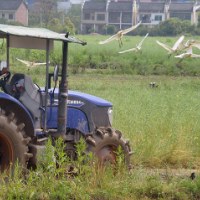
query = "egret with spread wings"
x=138 y=47
x=119 y=35
x=188 y=54
x=185 y=47
x=30 y=64
x=174 y=49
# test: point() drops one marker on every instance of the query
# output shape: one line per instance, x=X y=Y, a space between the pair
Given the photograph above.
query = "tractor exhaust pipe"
x=63 y=95
x=62 y=98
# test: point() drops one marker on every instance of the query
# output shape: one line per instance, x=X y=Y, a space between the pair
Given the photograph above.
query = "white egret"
x=188 y=54
x=119 y=35
x=184 y=47
x=174 y=49
x=31 y=64
x=138 y=47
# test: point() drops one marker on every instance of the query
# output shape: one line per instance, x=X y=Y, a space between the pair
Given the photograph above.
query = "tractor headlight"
x=110 y=115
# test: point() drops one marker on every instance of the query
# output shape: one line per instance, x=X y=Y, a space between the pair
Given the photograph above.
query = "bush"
x=110 y=29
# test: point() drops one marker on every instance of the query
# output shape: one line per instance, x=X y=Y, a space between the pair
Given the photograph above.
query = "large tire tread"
x=15 y=133
x=108 y=136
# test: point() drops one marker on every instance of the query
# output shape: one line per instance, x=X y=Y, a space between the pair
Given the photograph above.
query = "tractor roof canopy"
x=33 y=38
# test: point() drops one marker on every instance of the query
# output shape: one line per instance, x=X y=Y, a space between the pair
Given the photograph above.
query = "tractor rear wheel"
x=13 y=142
x=105 y=142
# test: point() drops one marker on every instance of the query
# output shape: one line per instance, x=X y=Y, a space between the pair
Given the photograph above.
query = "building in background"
x=93 y=15
x=14 y=11
x=126 y=13
x=150 y=14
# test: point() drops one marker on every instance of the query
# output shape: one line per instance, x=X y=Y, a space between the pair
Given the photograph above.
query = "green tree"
x=74 y=14
x=47 y=8
x=170 y=27
x=55 y=25
x=110 y=29
x=68 y=26
x=33 y=19
x=185 y=25
x=3 y=20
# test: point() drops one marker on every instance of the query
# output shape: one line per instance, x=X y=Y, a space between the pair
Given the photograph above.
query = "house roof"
x=10 y=5
x=180 y=7
x=94 y=6
x=120 y=7
x=151 y=7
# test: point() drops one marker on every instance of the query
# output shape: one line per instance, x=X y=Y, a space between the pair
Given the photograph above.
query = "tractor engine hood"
x=90 y=98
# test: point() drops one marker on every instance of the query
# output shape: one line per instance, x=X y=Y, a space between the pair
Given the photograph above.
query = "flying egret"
x=119 y=35
x=138 y=47
x=174 y=49
x=184 y=47
x=31 y=64
x=188 y=54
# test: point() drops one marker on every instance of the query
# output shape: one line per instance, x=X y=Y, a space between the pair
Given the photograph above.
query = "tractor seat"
x=30 y=97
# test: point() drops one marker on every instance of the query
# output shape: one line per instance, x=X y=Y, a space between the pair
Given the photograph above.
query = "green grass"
x=161 y=122
x=91 y=182
x=151 y=60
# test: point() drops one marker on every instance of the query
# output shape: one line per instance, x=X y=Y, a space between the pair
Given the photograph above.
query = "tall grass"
x=89 y=181
x=152 y=59
x=161 y=122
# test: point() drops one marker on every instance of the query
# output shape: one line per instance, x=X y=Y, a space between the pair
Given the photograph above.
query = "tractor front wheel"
x=105 y=142
x=13 y=142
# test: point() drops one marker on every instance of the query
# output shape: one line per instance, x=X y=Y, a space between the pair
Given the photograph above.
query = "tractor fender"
x=76 y=119
x=10 y=104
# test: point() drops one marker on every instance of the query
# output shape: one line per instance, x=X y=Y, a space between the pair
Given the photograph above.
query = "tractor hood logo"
x=75 y=103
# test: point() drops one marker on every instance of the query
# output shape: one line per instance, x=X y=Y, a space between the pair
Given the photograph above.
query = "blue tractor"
x=29 y=114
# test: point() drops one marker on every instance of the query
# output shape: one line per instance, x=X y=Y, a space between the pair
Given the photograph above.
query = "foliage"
x=170 y=27
x=74 y=14
x=15 y=23
x=110 y=29
x=92 y=30
x=55 y=25
x=33 y=19
x=6 y=21
x=47 y=7
x=68 y=26
x=90 y=181
x=3 y=20
x=106 y=56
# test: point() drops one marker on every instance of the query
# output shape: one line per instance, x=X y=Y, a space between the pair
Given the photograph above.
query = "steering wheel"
x=4 y=78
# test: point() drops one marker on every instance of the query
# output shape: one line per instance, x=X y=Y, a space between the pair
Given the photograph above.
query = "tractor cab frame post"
x=8 y=42
x=63 y=95
x=46 y=87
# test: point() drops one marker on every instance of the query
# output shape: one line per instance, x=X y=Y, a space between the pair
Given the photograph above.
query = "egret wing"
x=130 y=29
x=182 y=46
x=189 y=49
x=178 y=42
x=25 y=62
x=195 y=55
x=180 y=56
x=196 y=44
x=109 y=39
x=128 y=50
x=35 y=64
x=165 y=46
x=143 y=40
